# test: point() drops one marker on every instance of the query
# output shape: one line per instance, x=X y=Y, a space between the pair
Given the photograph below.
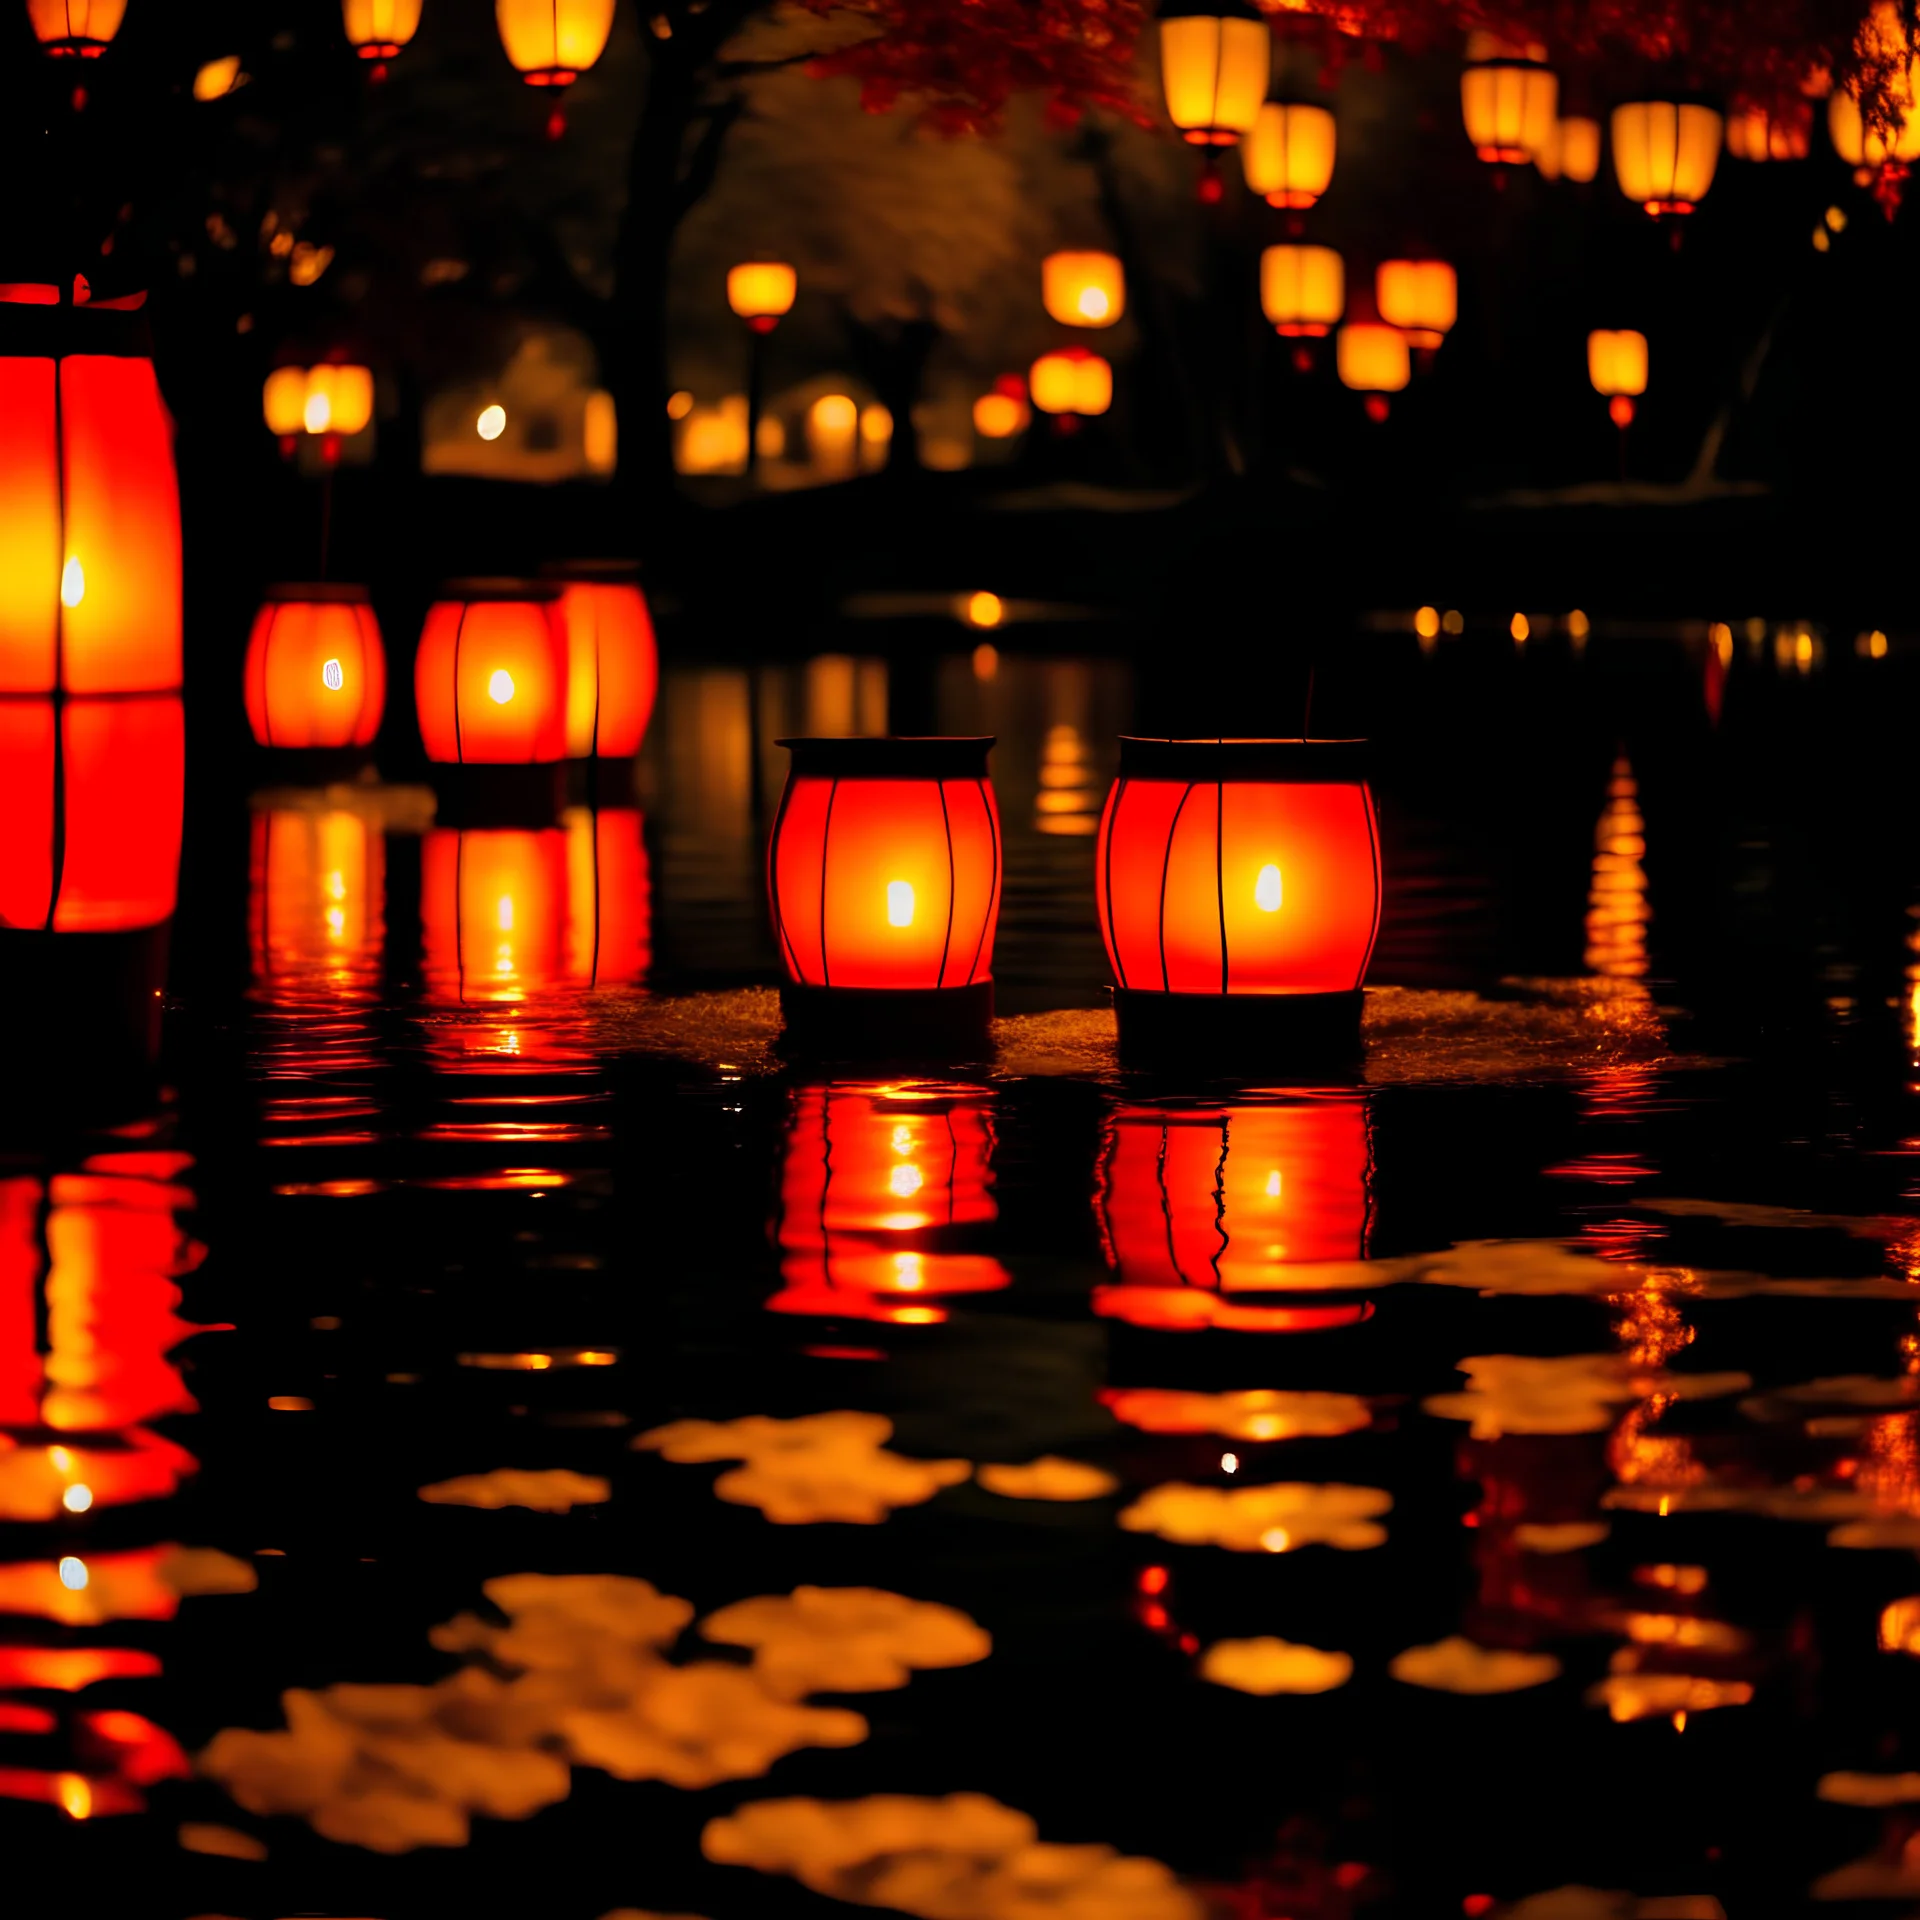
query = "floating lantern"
x=762 y=292
x=609 y=927
x=1083 y=289
x=1373 y=360
x=490 y=678
x=90 y=511
x=316 y=673
x=1572 y=151
x=879 y=1187
x=1665 y=152
x=1754 y=133
x=1237 y=884
x=553 y=42
x=76 y=29
x=1072 y=383
x=613 y=662
x=1215 y=56
x=316 y=892
x=1509 y=100
x=1420 y=297
x=1288 y=155
x=1617 y=366
x=1303 y=290
x=378 y=29
x=885 y=879
x=329 y=402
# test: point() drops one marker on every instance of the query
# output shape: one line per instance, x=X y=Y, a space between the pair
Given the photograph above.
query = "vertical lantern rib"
x=57 y=865
x=1220 y=1204
x=1113 y=827
x=598 y=674
x=1166 y=1206
x=1373 y=852
x=459 y=627
x=773 y=888
x=361 y=616
x=993 y=891
x=946 y=821
x=826 y=848
x=1219 y=871
x=1166 y=861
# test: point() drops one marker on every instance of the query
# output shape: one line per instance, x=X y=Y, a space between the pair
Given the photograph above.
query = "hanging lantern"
x=1072 y=383
x=490 y=678
x=1237 y=884
x=76 y=29
x=316 y=673
x=1214 y=61
x=1420 y=297
x=553 y=42
x=1617 y=366
x=315 y=909
x=378 y=29
x=1303 y=290
x=1373 y=360
x=330 y=403
x=609 y=940
x=878 y=1183
x=1571 y=151
x=1754 y=133
x=1203 y=1210
x=1665 y=152
x=613 y=662
x=1865 y=147
x=1083 y=289
x=1288 y=156
x=1509 y=100
x=885 y=879
x=762 y=292
x=89 y=505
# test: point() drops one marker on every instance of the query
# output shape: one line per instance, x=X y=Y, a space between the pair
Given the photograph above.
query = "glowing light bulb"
x=333 y=676
x=77 y=1498
x=1266 y=890
x=492 y=422
x=1229 y=1463
x=73 y=1574
x=73 y=582
x=317 y=416
x=899 y=903
x=500 y=687
x=1094 y=304
x=905 y=1181
x=503 y=913
x=1273 y=1184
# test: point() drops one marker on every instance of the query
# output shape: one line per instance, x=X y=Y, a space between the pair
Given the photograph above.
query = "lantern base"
x=1236 y=1032
x=321 y=766
x=93 y=1006
x=498 y=796
x=884 y=1023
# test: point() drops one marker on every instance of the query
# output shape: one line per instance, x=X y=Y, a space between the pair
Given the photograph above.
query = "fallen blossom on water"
x=1268 y=1666
x=1458 y=1665
x=1048 y=1478
x=845 y=1639
x=1271 y=1519
x=552 y=1490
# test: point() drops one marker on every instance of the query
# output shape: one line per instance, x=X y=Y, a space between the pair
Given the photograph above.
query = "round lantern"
x=1303 y=290
x=316 y=673
x=1372 y=359
x=1665 y=152
x=762 y=292
x=1420 y=297
x=1237 y=884
x=1204 y=1210
x=1509 y=100
x=1617 y=366
x=378 y=29
x=613 y=662
x=553 y=42
x=1288 y=156
x=1072 y=383
x=76 y=29
x=330 y=403
x=1571 y=151
x=884 y=873
x=490 y=678
x=1214 y=61
x=1755 y=134
x=881 y=1186
x=1083 y=289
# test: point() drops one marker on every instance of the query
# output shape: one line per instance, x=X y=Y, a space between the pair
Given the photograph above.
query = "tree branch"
x=746 y=69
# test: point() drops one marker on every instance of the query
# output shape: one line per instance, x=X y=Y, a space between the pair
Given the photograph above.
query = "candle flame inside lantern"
x=333 y=676
x=73 y=582
x=1266 y=890
x=500 y=687
x=899 y=903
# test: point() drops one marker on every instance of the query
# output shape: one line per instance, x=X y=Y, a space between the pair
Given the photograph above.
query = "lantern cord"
x=1219 y=867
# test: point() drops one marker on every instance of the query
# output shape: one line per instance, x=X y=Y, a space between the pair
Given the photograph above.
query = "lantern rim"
x=475 y=591
x=891 y=756
x=317 y=593
x=1331 y=762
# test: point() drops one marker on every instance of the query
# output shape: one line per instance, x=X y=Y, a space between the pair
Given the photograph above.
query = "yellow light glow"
x=1093 y=304
x=1578 y=624
x=492 y=422
x=1083 y=289
x=333 y=676
x=76 y=1796
x=77 y=1498
x=899 y=903
x=998 y=416
x=909 y=1272
x=503 y=913
x=73 y=582
x=679 y=405
x=317 y=415
x=1876 y=648
x=986 y=661
x=500 y=687
x=1276 y=1540
x=905 y=1181
x=1272 y=1188
x=761 y=289
x=61 y=1459
x=1266 y=890
x=1520 y=628
x=1426 y=623
x=217 y=78
x=985 y=610
x=73 y=1574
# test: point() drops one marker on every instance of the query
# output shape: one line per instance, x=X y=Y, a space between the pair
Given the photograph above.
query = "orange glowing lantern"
x=1865 y=147
x=1071 y=384
x=1083 y=289
x=1215 y=56
x=1288 y=156
x=1665 y=153
x=76 y=29
x=885 y=879
x=1509 y=100
x=316 y=888
x=762 y=292
x=490 y=678
x=1196 y=1205
x=1572 y=151
x=90 y=508
x=609 y=926
x=1303 y=290
x=316 y=673
x=1237 y=884
x=1420 y=297
x=613 y=663
x=331 y=403
x=879 y=1187
x=378 y=29
x=1373 y=360
x=553 y=42
x=1754 y=133
x=1617 y=366
x=493 y=906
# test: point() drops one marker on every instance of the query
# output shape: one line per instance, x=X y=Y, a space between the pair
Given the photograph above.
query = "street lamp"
x=761 y=293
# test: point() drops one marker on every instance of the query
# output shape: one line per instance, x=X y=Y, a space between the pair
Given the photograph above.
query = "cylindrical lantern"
x=1303 y=290
x=1420 y=297
x=1755 y=133
x=490 y=678
x=553 y=42
x=884 y=872
x=609 y=897
x=1083 y=289
x=1215 y=56
x=1072 y=381
x=1665 y=152
x=761 y=292
x=1860 y=145
x=378 y=29
x=89 y=505
x=613 y=663
x=76 y=28
x=1289 y=154
x=316 y=673
x=1237 y=884
x=1617 y=366
x=1572 y=150
x=877 y=1184
x=1509 y=100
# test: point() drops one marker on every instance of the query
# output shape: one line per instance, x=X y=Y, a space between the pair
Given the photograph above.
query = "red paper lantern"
x=884 y=872
x=880 y=1185
x=1238 y=889
x=613 y=661
x=490 y=678
x=316 y=673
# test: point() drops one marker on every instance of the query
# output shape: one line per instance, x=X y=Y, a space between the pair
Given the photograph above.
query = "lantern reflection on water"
x=609 y=901
x=490 y=678
x=1198 y=1204
x=613 y=662
x=879 y=1184
x=316 y=913
x=316 y=673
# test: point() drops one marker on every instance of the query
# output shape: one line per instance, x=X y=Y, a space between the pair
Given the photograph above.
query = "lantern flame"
x=73 y=1574
x=77 y=1498
x=73 y=582
x=317 y=416
x=333 y=676
x=1266 y=890
x=500 y=686
x=899 y=903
